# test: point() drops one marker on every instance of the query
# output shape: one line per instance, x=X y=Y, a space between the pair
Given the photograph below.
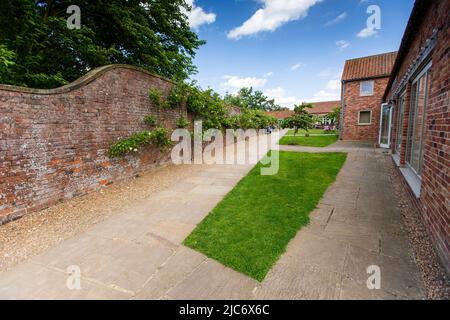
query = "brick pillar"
x=405 y=124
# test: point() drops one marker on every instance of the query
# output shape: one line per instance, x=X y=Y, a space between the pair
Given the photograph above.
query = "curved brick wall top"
x=80 y=82
x=54 y=143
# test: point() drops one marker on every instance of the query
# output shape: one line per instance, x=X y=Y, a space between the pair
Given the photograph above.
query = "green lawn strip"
x=250 y=228
x=313 y=141
x=312 y=131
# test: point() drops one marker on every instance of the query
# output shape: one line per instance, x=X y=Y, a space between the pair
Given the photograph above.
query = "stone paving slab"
x=139 y=254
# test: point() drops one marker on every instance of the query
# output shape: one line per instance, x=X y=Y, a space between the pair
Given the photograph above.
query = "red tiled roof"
x=369 y=67
x=324 y=107
x=280 y=114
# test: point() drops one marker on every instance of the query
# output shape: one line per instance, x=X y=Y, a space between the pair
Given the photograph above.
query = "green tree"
x=302 y=109
x=334 y=116
x=151 y=34
x=6 y=61
x=248 y=98
x=300 y=120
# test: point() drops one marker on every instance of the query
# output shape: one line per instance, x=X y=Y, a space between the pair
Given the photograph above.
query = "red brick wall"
x=353 y=103
x=434 y=201
x=54 y=143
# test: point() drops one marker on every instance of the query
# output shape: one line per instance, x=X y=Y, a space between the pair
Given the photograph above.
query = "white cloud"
x=296 y=66
x=324 y=73
x=268 y=74
x=234 y=83
x=342 y=44
x=336 y=20
x=281 y=98
x=332 y=91
x=334 y=85
x=367 y=33
x=273 y=15
x=197 y=16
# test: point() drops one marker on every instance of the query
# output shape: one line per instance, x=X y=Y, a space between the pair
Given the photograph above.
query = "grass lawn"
x=312 y=141
x=312 y=131
x=250 y=229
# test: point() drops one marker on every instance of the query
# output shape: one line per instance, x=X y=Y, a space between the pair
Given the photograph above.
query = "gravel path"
x=34 y=233
x=436 y=283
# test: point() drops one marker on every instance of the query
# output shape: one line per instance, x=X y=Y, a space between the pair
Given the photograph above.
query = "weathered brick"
x=434 y=202
x=51 y=145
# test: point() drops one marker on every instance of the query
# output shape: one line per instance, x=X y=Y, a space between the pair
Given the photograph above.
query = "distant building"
x=322 y=109
x=280 y=115
x=364 y=82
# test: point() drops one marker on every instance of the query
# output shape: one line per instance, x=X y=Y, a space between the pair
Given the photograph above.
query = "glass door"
x=385 y=126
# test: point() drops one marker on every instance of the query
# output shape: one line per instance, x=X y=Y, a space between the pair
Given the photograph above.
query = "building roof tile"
x=369 y=67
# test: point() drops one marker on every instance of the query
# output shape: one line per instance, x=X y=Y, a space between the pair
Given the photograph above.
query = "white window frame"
x=365 y=94
x=391 y=109
x=359 y=118
x=412 y=121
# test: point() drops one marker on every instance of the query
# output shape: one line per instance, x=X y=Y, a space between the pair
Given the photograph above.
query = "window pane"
x=385 y=124
x=365 y=117
x=400 y=117
x=367 y=88
x=417 y=123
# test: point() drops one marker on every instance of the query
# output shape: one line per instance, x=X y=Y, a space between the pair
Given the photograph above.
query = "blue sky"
x=293 y=50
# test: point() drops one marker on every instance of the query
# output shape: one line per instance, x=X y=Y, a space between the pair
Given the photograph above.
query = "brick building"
x=280 y=115
x=322 y=109
x=364 y=82
x=416 y=107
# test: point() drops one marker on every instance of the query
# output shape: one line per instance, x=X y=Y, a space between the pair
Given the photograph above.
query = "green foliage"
x=182 y=123
x=131 y=144
x=298 y=122
x=249 y=230
x=302 y=109
x=247 y=98
x=215 y=112
x=6 y=61
x=209 y=106
x=151 y=34
x=176 y=96
x=150 y=120
x=155 y=96
x=253 y=119
x=334 y=116
x=158 y=137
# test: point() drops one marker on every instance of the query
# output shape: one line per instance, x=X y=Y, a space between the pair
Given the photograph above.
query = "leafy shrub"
x=158 y=137
x=131 y=144
x=155 y=96
x=176 y=96
x=182 y=123
x=209 y=106
x=150 y=120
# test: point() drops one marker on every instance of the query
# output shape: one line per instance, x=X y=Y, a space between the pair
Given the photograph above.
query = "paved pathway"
x=138 y=254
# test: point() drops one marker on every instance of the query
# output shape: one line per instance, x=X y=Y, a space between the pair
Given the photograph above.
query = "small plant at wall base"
x=158 y=137
x=150 y=120
x=182 y=123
